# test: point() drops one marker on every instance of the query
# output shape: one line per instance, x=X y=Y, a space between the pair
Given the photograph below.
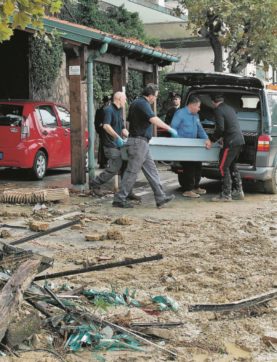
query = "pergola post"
x=78 y=127
x=119 y=81
x=152 y=78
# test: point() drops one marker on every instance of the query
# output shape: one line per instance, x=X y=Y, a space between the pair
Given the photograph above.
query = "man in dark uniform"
x=228 y=128
x=176 y=102
x=140 y=118
x=98 y=123
x=113 y=131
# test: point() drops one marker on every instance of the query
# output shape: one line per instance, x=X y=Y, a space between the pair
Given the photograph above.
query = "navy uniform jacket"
x=227 y=126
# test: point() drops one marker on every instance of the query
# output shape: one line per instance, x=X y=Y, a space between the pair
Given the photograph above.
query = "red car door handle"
x=45 y=133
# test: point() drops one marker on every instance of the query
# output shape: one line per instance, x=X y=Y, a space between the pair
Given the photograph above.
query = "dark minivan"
x=256 y=107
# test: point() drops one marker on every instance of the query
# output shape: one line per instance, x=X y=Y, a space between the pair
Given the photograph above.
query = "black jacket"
x=227 y=126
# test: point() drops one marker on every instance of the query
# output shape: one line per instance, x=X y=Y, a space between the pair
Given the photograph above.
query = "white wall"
x=193 y=59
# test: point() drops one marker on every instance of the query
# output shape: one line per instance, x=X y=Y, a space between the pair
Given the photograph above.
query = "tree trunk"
x=12 y=293
x=217 y=49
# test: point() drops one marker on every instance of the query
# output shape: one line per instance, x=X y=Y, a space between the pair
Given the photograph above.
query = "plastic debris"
x=112 y=298
x=165 y=303
x=89 y=335
x=118 y=343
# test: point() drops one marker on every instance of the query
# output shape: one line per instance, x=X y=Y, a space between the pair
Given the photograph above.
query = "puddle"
x=234 y=352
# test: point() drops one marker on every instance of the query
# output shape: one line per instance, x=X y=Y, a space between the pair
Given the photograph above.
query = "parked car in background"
x=34 y=135
x=256 y=107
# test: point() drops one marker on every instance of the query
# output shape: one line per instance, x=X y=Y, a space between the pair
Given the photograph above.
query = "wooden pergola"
x=83 y=46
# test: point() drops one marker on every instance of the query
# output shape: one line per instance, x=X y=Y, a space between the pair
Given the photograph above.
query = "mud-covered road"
x=212 y=253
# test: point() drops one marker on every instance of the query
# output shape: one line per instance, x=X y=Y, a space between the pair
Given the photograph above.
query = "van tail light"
x=264 y=143
x=25 y=131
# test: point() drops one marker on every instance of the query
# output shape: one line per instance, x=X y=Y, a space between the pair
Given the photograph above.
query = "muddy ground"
x=212 y=253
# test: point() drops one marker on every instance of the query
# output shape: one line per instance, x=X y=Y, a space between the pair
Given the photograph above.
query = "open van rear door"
x=214 y=79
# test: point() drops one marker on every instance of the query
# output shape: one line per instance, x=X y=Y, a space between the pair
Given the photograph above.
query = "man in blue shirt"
x=141 y=118
x=186 y=122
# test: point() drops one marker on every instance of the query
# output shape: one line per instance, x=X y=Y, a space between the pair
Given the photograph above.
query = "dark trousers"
x=191 y=175
x=101 y=158
x=231 y=179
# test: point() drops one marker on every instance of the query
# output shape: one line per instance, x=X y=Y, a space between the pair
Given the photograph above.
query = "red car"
x=34 y=135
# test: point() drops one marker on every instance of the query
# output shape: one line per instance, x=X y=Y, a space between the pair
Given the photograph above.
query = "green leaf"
x=8 y=7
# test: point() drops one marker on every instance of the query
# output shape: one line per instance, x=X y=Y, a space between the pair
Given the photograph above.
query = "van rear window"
x=10 y=115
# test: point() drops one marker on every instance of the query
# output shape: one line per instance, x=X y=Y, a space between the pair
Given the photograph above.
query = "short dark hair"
x=106 y=99
x=193 y=100
x=150 y=90
x=217 y=98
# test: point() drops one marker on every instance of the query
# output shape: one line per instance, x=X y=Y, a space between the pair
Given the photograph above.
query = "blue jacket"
x=188 y=125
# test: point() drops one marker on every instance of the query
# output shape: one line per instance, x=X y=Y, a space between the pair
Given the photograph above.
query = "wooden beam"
x=134 y=64
x=12 y=293
x=117 y=81
x=109 y=59
x=77 y=111
x=140 y=66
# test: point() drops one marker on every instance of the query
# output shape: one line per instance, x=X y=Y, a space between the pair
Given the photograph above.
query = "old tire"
x=270 y=186
x=39 y=166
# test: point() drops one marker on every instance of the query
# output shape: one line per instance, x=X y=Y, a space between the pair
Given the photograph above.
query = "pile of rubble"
x=64 y=314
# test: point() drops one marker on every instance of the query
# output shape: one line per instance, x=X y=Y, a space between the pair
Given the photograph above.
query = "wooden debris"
x=94 y=237
x=46 y=232
x=244 y=303
x=5 y=234
x=33 y=196
x=22 y=328
x=12 y=293
x=114 y=235
x=11 y=258
x=36 y=225
x=100 y=267
x=124 y=220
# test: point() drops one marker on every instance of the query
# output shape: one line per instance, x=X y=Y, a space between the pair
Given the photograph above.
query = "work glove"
x=173 y=132
x=119 y=142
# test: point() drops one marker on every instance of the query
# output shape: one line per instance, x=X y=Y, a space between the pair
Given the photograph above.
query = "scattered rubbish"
x=100 y=267
x=11 y=294
x=39 y=207
x=94 y=237
x=123 y=220
x=4 y=234
x=244 y=303
x=46 y=232
x=75 y=325
x=165 y=303
x=157 y=325
x=12 y=226
x=32 y=196
x=152 y=221
x=270 y=341
x=114 y=235
x=112 y=298
x=104 y=258
x=36 y=225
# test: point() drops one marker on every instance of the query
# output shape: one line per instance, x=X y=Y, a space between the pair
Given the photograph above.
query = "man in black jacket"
x=228 y=129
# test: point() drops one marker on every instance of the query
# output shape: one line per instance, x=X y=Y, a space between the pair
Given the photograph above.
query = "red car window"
x=46 y=116
x=10 y=115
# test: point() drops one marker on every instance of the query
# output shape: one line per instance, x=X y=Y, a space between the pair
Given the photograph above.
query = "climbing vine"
x=45 y=61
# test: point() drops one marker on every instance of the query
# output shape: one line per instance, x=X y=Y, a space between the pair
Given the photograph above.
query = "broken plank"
x=240 y=304
x=12 y=293
x=43 y=233
x=100 y=267
x=32 y=196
